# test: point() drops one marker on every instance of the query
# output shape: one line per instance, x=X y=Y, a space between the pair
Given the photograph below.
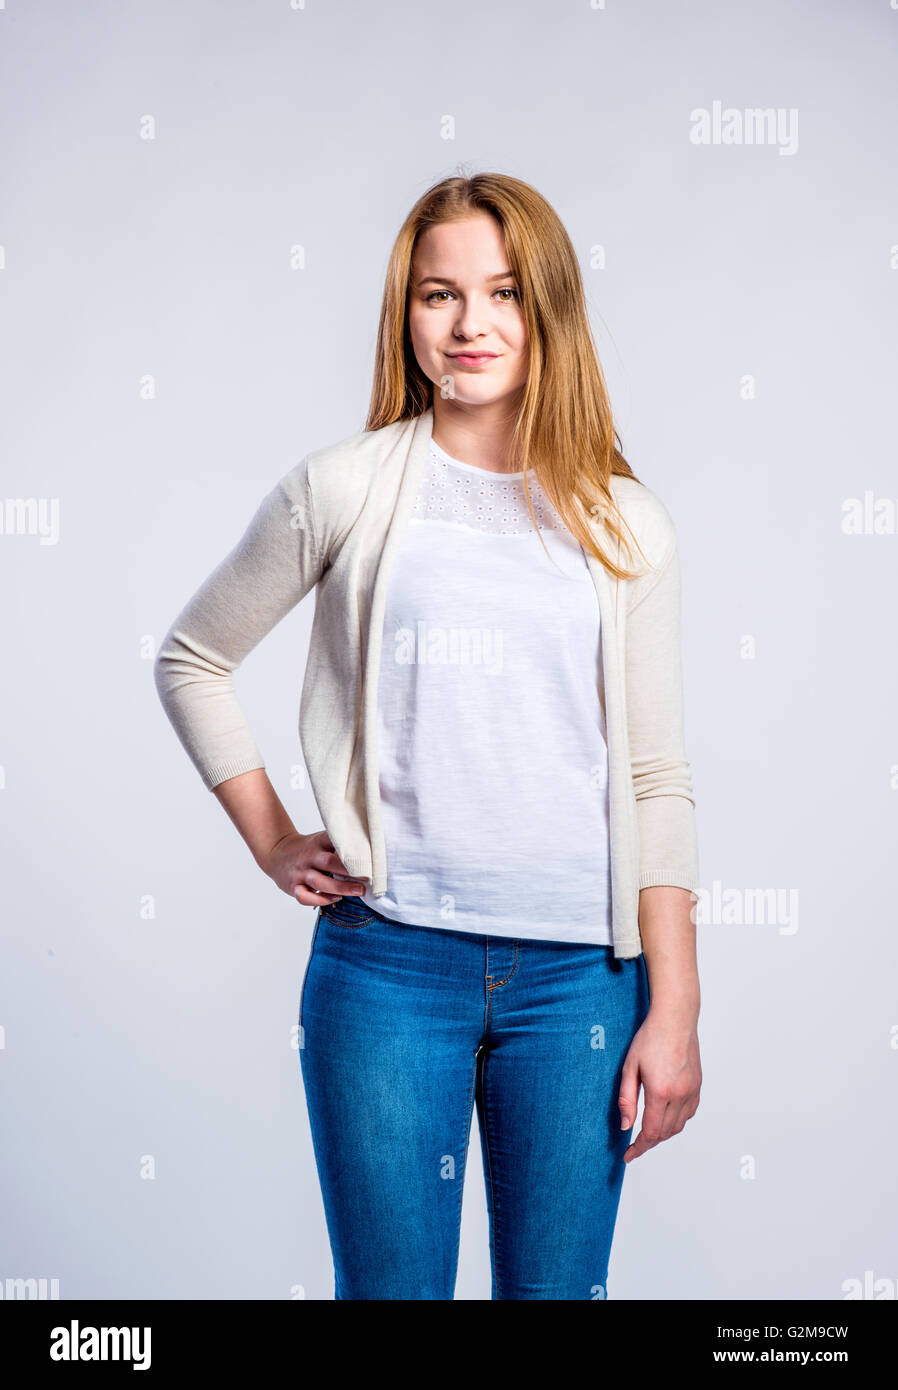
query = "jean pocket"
x=350 y=912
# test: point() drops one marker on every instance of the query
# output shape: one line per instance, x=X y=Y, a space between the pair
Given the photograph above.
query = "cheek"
x=517 y=341
x=419 y=333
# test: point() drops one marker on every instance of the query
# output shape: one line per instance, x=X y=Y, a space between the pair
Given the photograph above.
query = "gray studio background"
x=168 y=353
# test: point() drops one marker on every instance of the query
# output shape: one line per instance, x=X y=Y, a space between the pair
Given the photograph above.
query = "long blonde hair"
x=564 y=430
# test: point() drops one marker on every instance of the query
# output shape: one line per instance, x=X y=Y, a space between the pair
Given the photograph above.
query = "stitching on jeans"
x=489 y=1166
x=302 y=988
x=512 y=972
x=349 y=921
x=464 y=1163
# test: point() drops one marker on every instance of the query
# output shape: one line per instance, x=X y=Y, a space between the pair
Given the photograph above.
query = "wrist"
x=679 y=1007
x=266 y=858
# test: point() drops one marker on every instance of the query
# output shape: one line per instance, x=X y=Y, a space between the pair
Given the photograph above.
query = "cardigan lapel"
x=621 y=807
x=406 y=458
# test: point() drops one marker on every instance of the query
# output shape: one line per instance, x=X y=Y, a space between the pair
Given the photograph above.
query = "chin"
x=486 y=393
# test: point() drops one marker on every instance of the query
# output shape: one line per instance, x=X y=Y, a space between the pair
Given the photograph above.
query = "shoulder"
x=327 y=489
x=647 y=517
x=340 y=473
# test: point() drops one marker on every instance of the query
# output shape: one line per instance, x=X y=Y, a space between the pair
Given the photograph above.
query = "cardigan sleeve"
x=271 y=568
x=662 y=778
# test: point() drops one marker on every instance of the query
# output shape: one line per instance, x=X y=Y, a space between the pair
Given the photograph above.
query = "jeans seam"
x=489 y=1169
x=493 y=984
x=464 y=1164
x=302 y=990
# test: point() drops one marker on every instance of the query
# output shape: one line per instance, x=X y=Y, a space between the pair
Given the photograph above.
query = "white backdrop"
x=198 y=204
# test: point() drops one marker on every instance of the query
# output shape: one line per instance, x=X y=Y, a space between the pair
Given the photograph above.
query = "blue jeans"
x=402 y=1029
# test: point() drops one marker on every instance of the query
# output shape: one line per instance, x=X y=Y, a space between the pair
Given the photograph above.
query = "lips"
x=472 y=358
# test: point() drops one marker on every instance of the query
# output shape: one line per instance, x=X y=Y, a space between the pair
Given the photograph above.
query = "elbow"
x=160 y=674
x=163 y=668
x=663 y=777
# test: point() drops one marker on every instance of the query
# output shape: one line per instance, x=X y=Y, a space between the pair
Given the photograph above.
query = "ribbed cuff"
x=671 y=878
x=222 y=771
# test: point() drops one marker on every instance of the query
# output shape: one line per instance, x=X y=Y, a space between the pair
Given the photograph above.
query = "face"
x=465 y=317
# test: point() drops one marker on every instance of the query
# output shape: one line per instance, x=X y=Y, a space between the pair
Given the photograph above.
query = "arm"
x=270 y=569
x=274 y=565
x=301 y=865
x=664 y=1054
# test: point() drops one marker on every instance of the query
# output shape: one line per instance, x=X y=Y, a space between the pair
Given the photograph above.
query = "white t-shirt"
x=491 y=738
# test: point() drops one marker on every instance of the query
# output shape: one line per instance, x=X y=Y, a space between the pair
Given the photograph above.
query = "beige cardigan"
x=334 y=521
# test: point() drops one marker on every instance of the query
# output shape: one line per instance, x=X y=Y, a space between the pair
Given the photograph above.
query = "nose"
x=470 y=318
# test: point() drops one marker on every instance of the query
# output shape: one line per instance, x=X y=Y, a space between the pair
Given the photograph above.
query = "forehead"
x=473 y=247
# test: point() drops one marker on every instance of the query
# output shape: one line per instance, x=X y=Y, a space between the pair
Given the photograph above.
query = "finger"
x=677 y=1112
x=308 y=897
x=641 y=1144
x=635 y=1149
x=650 y=1133
x=327 y=863
x=683 y=1111
x=628 y=1097
x=322 y=882
x=318 y=890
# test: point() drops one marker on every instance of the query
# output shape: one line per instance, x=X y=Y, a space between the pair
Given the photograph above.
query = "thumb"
x=629 y=1094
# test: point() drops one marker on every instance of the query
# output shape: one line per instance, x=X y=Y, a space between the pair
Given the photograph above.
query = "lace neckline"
x=479 y=499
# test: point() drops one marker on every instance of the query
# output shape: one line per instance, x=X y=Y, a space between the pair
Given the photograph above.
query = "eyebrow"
x=444 y=280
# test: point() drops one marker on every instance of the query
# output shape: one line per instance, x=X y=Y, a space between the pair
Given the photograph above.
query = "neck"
x=477 y=434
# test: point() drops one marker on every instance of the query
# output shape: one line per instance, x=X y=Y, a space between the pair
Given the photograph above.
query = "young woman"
x=491 y=719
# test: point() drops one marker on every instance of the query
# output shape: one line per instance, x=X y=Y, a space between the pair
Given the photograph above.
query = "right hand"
x=302 y=865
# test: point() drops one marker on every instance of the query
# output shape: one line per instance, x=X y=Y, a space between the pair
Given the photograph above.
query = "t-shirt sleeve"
x=273 y=566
